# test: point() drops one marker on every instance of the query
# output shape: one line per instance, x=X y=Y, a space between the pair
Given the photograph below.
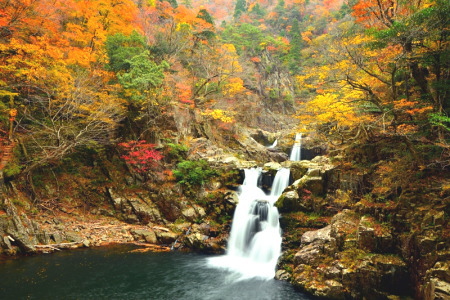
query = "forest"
x=144 y=96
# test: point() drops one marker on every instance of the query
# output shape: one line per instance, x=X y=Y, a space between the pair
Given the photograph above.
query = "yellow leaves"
x=335 y=109
x=233 y=87
x=229 y=59
x=183 y=26
x=151 y=3
x=230 y=48
x=218 y=114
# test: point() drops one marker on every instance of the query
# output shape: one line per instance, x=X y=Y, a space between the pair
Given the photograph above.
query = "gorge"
x=302 y=140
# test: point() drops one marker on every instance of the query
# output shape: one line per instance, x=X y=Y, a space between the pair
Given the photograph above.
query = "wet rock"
x=282 y=275
x=272 y=167
x=196 y=240
x=289 y=201
x=317 y=167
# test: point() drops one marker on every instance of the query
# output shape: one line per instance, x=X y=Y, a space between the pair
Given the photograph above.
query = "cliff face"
x=106 y=204
x=340 y=242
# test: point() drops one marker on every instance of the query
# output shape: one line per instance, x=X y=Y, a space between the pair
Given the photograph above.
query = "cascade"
x=255 y=238
x=297 y=148
x=273 y=145
x=280 y=182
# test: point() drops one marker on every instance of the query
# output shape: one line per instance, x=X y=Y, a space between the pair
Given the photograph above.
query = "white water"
x=296 y=149
x=255 y=238
x=280 y=182
x=273 y=145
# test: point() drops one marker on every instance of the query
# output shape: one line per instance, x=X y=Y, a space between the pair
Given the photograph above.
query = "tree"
x=143 y=75
x=121 y=48
x=140 y=156
x=203 y=14
x=240 y=8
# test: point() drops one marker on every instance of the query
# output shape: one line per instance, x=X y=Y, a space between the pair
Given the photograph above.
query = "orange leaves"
x=184 y=92
x=411 y=107
x=255 y=59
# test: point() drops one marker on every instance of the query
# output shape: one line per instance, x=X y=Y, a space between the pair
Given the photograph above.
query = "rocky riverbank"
x=339 y=241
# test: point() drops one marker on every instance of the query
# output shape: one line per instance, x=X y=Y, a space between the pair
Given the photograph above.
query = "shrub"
x=177 y=151
x=193 y=173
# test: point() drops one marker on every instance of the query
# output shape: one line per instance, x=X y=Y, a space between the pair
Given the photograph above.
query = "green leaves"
x=121 y=48
x=143 y=75
x=441 y=120
x=193 y=173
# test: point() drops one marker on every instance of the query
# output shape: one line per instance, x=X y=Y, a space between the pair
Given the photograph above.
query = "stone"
x=366 y=235
x=313 y=173
x=272 y=166
x=282 y=275
x=189 y=213
x=196 y=240
x=166 y=238
x=310 y=254
x=72 y=236
x=288 y=202
x=232 y=197
x=321 y=235
x=146 y=211
x=144 y=235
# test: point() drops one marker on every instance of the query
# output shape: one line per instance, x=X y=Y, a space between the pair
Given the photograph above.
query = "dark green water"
x=116 y=273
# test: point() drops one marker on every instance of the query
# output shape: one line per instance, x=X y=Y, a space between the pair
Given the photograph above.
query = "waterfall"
x=273 y=145
x=280 y=182
x=297 y=148
x=255 y=238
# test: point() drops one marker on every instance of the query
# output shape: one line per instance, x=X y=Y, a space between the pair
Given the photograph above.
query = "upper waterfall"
x=297 y=148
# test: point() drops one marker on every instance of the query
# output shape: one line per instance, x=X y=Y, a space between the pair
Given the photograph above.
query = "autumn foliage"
x=140 y=155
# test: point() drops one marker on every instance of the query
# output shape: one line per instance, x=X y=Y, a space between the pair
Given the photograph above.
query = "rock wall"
x=341 y=244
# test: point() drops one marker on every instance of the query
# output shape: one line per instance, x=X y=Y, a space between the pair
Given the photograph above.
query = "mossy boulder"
x=330 y=262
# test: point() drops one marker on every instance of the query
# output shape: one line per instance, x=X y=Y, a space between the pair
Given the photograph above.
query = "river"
x=117 y=273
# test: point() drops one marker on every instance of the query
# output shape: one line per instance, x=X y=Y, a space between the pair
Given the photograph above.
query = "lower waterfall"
x=254 y=244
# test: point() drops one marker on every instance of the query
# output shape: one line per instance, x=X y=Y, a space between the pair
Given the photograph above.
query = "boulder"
x=144 y=235
x=193 y=212
x=17 y=230
x=322 y=235
x=282 y=275
x=289 y=201
x=272 y=167
x=437 y=282
x=165 y=237
x=334 y=260
x=366 y=235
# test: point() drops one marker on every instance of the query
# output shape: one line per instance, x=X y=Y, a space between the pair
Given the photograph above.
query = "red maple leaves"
x=140 y=155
